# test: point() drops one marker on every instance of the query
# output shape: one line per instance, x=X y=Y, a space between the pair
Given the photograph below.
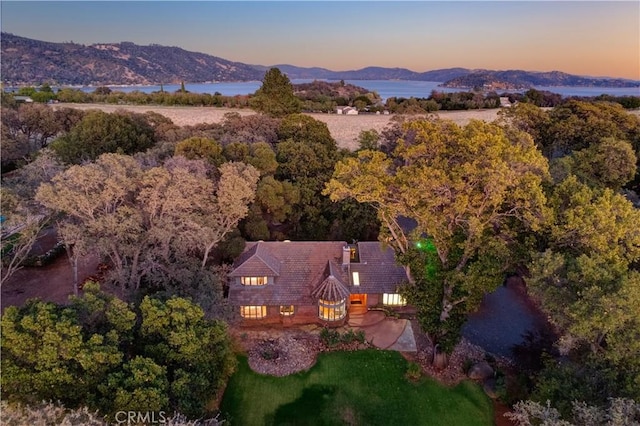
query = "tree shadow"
x=311 y=408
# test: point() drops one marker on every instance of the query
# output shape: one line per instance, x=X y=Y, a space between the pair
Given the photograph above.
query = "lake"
x=385 y=88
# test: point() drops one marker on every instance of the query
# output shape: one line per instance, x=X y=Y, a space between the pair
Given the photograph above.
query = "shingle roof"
x=302 y=266
x=256 y=261
x=304 y=270
x=379 y=272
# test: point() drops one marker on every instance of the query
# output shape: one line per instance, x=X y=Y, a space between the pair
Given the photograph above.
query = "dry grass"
x=344 y=128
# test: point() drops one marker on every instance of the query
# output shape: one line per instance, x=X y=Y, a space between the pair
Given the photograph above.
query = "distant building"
x=25 y=99
x=346 y=110
x=505 y=102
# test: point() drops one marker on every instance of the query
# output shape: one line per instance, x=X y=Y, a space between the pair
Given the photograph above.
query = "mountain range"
x=28 y=61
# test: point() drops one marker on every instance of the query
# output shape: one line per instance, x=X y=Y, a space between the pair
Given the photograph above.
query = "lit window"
x=254 y=280
x=393 y=299
x=286 y=311
x=253 y=312
x=356 y=278
x=331 y=311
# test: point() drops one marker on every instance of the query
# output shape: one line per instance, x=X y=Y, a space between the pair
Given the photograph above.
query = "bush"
x=414 y=372
x=332 y=338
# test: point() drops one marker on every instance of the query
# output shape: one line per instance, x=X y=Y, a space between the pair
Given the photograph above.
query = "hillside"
x=34 y=62
x=27 y=61
x=517 y=79
x=369 y=73
x=318 y=90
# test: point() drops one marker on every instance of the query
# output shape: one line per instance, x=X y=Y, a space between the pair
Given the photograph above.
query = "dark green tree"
x=100 y=353
x=307 y=130
x=195 y=351
x=200 y=148
x=275 y=97
x=99 y=132
x=49 y=354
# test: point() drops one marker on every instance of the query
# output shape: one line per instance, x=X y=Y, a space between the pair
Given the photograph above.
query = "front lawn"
x=351 y=388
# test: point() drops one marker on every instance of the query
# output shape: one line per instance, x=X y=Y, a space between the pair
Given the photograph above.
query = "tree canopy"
x=92 y=353
x=147 y=222
x=467 y=188
x=588 y=284
x=100 y=132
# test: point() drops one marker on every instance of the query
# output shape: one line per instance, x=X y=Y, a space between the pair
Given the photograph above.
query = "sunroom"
x=332 y=298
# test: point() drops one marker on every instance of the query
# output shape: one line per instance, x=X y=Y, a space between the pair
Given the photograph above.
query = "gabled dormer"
x=256 y=267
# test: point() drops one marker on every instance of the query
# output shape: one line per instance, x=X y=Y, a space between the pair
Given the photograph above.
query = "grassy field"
x=351 y=388
x=344 y=128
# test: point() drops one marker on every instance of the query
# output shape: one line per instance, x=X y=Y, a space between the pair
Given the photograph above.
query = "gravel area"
x=344 y=128
x=279 y=352
x=454 y=372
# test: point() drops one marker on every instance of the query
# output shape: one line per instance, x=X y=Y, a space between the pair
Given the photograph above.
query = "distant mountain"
x=370 y=73
x=27 y=61
x=518 y=79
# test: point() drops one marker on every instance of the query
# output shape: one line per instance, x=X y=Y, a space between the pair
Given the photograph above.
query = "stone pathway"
x=385 y=333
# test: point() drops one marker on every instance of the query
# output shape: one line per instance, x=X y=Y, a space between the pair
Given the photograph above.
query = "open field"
x=355 y=388
x=343 y=128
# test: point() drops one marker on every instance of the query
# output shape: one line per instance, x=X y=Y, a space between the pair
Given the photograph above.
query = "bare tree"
x=20 y=229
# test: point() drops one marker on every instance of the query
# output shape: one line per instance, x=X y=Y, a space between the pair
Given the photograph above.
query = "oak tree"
x=467 y=188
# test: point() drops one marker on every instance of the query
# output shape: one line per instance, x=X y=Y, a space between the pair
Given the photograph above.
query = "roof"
x=256 y=261
x=334 y=287
x=304 y=271
x=379 y=272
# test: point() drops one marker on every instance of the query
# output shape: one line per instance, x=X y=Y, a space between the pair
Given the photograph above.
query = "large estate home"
x=291 y=282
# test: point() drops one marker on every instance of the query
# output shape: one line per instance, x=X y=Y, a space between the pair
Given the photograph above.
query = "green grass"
x=351 y=388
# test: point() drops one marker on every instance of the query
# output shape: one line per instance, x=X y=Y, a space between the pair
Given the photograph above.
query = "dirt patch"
x=499 y=411
x=51 y=283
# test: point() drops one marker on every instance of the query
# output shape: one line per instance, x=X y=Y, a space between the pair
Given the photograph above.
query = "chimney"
x=346 y=255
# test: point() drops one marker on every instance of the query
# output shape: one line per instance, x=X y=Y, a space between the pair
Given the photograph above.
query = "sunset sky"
x=586 y=38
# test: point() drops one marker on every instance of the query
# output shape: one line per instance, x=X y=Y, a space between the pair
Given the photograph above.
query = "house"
x=297 y=282
x=505 y=102
x=23 y=99
x=346 y=110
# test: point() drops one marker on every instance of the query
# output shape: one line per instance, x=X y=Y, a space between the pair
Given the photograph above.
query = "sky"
x=595 y=38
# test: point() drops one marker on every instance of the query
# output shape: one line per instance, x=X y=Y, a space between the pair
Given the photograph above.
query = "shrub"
x=414 y=372
x=330 y=337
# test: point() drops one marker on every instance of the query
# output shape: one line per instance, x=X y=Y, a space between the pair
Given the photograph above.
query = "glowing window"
x=332 y=311
x=356 y=278
x=254 y=280
x=393 y=299
x=287 y=310
x=253 y=312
